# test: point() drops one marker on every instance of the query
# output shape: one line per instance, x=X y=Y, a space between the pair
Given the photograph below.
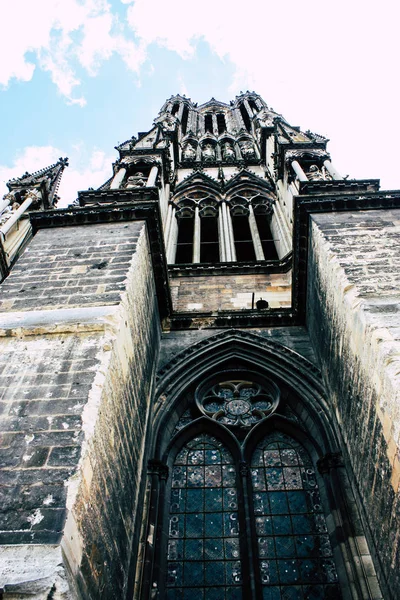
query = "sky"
x=77 y=77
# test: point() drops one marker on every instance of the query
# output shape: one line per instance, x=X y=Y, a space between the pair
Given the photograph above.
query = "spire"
x=46 y=180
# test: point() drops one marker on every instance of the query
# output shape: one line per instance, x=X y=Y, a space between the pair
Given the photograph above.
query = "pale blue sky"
x=79 y=76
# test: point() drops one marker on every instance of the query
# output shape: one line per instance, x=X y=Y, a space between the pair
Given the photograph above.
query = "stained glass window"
x=295 y=555
x=203 y=544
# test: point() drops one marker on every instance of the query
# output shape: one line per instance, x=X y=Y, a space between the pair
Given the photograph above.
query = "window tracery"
x=208 y=531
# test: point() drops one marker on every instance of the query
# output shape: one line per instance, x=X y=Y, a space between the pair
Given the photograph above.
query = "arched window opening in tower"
x=185 y=116
x=243 y=241
x=221 y=123
x=184 y=246
x=209 y=245
x=245 y=117
x=175 y=108
x=267 y=241
x=253 y=106
x=208 y=123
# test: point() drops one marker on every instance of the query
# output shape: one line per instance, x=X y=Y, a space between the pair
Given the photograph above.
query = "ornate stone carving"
x=134 y=181
x=228 y=152
x=189 y=151
x=314 y=173
x=208 y=153
x=247 y=149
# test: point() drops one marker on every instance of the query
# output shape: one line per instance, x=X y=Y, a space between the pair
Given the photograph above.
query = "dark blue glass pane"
x=282 y=525
x=271 y=593
x=303 y=524
x=213 y=499
x=193 y=572
x=312 y=545
x=288 y=571
x=213 y=549
x=278 y=503
x=213 y=594
x=215 y=573
x=311 y=571
x=292 y=593
x=193 y=594
x=213 y=522
x=297 y=502
x=285 y=547
x=194 y=525
x=233 y=593
x=194 y=500
x=173 y=594
x=194 y=549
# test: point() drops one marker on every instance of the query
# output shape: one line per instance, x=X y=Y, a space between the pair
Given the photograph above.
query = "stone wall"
x=229 y=292
x=354 y=323
x=75 y=386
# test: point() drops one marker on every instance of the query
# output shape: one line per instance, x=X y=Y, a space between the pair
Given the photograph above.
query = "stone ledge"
x=64 y=320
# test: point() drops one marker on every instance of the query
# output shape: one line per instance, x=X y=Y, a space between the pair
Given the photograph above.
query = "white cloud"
x=88 y=169
x=58 y=36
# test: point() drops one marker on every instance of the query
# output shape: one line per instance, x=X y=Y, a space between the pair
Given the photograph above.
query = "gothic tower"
x=199 y=371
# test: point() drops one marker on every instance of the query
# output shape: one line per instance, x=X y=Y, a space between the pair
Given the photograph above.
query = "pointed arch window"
x=243 y=530
x=203 y=538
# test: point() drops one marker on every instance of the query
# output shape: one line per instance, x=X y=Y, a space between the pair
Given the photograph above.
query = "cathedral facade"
x=199 y=371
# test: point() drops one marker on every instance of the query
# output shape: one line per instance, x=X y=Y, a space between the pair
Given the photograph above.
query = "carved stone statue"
x=208 y=153
x=247 y=149
x=315 y=174
x=137 y=180
x=189 y=152
x=228 y=152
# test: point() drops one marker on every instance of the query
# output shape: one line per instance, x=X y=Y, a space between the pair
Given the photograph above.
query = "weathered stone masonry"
x=75 y=386
x=354 y=322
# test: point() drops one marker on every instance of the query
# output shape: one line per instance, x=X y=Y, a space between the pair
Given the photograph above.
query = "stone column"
x=15 y=216
x=167 y=228
x=6 y=201
x=118 y=178
x=331 y=169
x=215 y=124
x=151 y=180
x=196 y=236
x=225 y=232
x=299 y=171
x=221 y=237
x=172 y=238
x=231 y=236
x=255 y=236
